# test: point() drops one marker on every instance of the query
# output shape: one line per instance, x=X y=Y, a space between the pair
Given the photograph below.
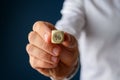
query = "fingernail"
x=54 y=59
x=56 y=50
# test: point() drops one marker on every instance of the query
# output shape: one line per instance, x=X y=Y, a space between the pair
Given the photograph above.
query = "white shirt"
x=96 y=26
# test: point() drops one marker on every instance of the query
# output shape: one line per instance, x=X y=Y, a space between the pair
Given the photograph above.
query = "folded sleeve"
x=73 y=17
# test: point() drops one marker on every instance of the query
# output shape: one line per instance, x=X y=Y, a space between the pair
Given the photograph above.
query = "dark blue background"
x=17 y=18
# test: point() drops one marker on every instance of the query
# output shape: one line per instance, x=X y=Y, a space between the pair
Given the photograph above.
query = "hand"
x=52 y=60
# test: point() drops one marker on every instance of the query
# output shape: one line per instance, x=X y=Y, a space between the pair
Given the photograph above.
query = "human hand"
x=52 y=60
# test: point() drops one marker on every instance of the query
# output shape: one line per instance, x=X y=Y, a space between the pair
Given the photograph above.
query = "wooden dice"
x=57 y=36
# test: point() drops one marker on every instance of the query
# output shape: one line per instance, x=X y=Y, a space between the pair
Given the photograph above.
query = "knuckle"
x=46 y=56
x=46 y=47
x=31 y=36
x=43 y=64
x=74 y=39
x=37 y=24
x=28 y=47
x=32 y=63
x=72 y=42
x=47 y=65
x=51 y=49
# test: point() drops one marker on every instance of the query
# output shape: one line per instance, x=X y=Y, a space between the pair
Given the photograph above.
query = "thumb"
x=70 y=51
x=69 y=41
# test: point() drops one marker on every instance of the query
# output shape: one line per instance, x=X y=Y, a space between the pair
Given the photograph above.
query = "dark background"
x=17 y=18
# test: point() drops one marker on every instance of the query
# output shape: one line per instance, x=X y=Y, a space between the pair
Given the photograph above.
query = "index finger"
x=44 y=29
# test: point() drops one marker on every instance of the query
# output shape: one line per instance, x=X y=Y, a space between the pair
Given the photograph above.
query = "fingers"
x=36 y=63
x=41 y=55
x=44 y=30
x=36 y=40
x=44 y=54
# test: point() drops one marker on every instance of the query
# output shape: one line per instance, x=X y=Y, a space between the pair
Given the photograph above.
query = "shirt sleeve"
x=72 y=20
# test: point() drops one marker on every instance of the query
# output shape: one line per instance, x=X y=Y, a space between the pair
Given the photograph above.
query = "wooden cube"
x=57 y=36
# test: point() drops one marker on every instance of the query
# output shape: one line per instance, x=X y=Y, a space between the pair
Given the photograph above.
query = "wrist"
x=73 y=71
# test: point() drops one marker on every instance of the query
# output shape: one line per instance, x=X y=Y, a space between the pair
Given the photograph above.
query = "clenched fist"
x=52 y=60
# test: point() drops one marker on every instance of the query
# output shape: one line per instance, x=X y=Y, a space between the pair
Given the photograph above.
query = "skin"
x=51 y=60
